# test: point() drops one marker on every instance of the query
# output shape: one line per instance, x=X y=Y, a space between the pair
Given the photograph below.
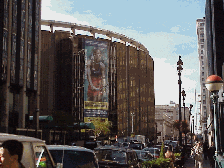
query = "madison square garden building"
x=97 y=78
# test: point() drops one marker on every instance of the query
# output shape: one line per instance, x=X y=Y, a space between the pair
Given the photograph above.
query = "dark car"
x=116 y=158
x=154 y=151
x=144 y=156
x=73 y=156
x=135 y=145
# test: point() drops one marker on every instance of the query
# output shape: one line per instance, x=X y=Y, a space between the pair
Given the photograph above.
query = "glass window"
x=74 y=159
x=42 y=157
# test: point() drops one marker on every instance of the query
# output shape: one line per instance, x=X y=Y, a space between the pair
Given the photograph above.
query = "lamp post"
x=184 y=95
x=179 y=69
x=132 y=122
x=191 y=123
x=214 y=84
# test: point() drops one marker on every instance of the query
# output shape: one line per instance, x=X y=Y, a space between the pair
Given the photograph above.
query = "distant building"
x=204 y=113
x=165 y=116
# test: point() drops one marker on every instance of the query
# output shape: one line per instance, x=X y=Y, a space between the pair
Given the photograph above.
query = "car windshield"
x=135 y=145
x=154 y=151
x=115 y=155
x=74 y=159
x=143 y=155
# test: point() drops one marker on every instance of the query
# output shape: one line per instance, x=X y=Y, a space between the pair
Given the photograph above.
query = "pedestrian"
x=12 y=154
x=211 y=153
x=198 y=151
x=170 y=154
x=205 y=150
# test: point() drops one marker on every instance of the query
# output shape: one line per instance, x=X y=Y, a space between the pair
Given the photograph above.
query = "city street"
x=189 y=163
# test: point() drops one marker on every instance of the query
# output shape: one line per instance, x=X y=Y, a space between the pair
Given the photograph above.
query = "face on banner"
x=96 y=78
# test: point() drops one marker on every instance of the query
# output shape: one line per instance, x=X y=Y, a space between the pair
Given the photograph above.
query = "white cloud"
x=175 y=29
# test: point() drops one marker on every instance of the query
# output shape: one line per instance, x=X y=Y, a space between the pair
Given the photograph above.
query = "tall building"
x=200 y=25
x=93 y=78
x=19 y=62
x=214 y=28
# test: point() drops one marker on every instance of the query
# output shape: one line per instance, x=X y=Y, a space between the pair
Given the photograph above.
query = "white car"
x=35 y=152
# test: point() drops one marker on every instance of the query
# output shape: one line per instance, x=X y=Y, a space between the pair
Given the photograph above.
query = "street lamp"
x=184 y=95
x=179 y=69
x=191 y=123
x=214 y=84
x=132 y=122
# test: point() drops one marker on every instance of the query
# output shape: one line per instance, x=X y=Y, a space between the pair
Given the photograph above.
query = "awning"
x=42 y=118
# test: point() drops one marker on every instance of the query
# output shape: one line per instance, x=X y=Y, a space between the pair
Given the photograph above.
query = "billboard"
x=96 y=79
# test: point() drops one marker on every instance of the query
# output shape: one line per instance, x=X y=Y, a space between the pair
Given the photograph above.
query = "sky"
x=167 y=28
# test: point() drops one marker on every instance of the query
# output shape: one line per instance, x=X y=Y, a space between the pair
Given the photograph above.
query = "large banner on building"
x=96 y=79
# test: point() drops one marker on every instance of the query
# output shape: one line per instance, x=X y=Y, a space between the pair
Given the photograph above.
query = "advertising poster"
x=96 y=79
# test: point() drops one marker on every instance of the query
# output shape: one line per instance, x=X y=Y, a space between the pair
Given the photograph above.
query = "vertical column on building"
x=20 y=62
x=5 y=61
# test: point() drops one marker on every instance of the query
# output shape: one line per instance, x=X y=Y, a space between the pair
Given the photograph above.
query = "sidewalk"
x=189 y=163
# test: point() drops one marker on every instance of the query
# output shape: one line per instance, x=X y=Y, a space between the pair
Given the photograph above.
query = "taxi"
x=35 y=152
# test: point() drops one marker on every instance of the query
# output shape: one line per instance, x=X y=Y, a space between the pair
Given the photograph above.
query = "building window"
x=203 y=90
x=203 y=79
x=202 y=73
x=201 y=51
x=202 y=56
x=203 y=101
x=202 y=46
x=202 y=68
x=202 y=62
x=202 y=24
x=202 y=40
x=202 y=35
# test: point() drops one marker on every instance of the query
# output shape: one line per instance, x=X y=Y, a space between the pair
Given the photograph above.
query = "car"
x=144 y=156
x=35 y=151
x=167 y=142
x=174 y=144
x=136 y=145
x=126 y=144
x=154 y=151
x=73 y=156
x=116 y=157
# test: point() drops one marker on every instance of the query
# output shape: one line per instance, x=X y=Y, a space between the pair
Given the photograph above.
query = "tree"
x=162 y=154
x=101 y=127
x=184 y=126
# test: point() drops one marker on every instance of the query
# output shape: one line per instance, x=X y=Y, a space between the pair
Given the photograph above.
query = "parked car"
x=35 y=152
x=73 y=156
x=154 y=151
x=116 y=158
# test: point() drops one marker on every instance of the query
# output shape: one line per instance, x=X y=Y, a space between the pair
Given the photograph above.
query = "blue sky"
x=167 y=28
